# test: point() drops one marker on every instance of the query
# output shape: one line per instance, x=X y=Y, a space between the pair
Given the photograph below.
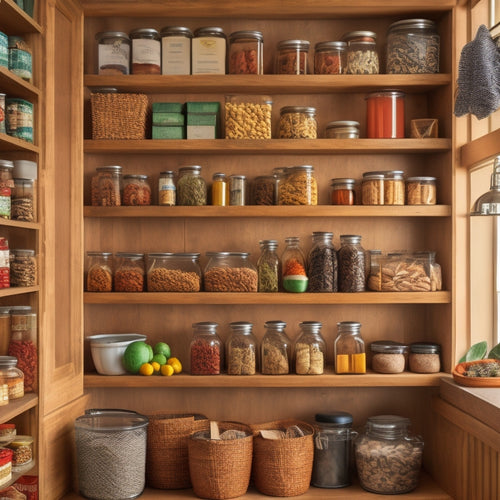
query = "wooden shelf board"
x=18 y=290
x=8 y=143
x=480 y=150
x=18 y=406
x=14 y=86
x=20 y=224
x=15 y=21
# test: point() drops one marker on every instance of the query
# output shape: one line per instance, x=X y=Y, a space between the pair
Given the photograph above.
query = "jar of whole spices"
x=372 y=189
x=351 y=258
x=4 y=330
x=362 y=54
x=99 y=276
x=206 y=349
x=349 y=348
x=176 y=50
x=129 y=272
x=174 y=272
x=238 y=192
x=310 y=349
x=388 y=457
x=322 y=268
x=342 y=129
x=388 y=356
x=113 y=55
x=299 y=187
x=424 y=357
x=146 y=51
x=263 y=190
x=421 y=190
x=230 y=272
x=241 y=349
x=106 y=186
x=246 y=53
x=342 y=191
x=22 y=207
x=298 y=122
x=12 y=376
x=191 y=187
x=219 y=190
x=136 y=190
x=268 y=267
x=23 y=267
x=275 y=349
x=166 y=189
x=291 y=57
x=330 y=58
x=293 y=264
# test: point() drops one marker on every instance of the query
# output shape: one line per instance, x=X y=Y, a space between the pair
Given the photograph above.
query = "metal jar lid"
x=135 y=176
x=145 y=33
x=421 y=179
x=130 y=255
x=176 y=31
x=340 y=418
x=334 y=45
x=6 y=164
x=294 y=44
x=214 y=31
x=425 y=348
x=246 y=34
x=298 y=109
x=191 y=168
x=341 y=181
x=385 y=93
x=342 y=123
x=109 y=168
x=361 y=36
x=388 y=347
x=99 y=254
x=409 y=24
x=106 y=35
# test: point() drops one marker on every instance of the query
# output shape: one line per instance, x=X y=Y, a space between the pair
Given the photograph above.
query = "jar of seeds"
x=275 y=349
x=268 y=267
x=351 y=264
x=241 y=349
x=23 y=268
x=191 y=187
x=322 y=267
x=310 y=349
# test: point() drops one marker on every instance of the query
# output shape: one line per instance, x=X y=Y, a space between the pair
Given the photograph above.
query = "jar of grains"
x=275 y=349
x=298 y=122
x=208 y=51
x=330 y=58
x=310 y=349
x=424 y=357
x=23 y=267
x=106 y=186
x=206 y=349
x=349 y=348
x=229 y=272
x=291 y=57
x=166 y=189
x=388 y=356
x=113 y=53
x=263 y=190
x=241 y=349
x=191 y=187
x=174 y=272
x=12 y=376
x=342 y=129
x=129 y=272
x=176 y=50
x=99 y=272
x=372 y=188
x=388 y=457
x=246 y=53
x=421 y=190
x=268 y=267
x=299 y=187
x=146 y=51
x=293 y=264
x=136 y=190
x=413 y=47
x=351 y=264
x=394 y=187
x=362 y=55
x=22 y=207
x=322 y=266
x=342 y=191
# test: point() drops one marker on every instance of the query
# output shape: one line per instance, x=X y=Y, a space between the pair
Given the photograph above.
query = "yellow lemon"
x=167 y=370
x=156 y=366
x=175 y=364
x=146 y=369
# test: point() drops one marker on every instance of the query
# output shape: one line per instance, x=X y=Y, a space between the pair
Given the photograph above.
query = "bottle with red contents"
x=206 y=349
x=342 y=191
x=385 y=115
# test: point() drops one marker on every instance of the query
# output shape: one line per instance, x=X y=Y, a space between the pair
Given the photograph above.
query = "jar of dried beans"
x=424 y=357
x=241 y=349
x=191 y=187
x=264 y=190
x=310 y=349
x=268 y=267
x=293 y=263
x=322 y=266
x=330 y=58
x=146 y=51
x=362 y=54
x=99 y=272
x=275 y=349
x=388 y=457
x=351 y=264
x=106 y=186
x=421 y=190
x=136 y=190
x=349 y=348
x=246 y=53
x=12 y=376
x=298 y=122
x=291 y=57
x=23 y=267
x=299 y=187
x=129 y=272
x=342 y=191
x=174 y=272
x=230 y=272
x=206 y=349
x=388 y=356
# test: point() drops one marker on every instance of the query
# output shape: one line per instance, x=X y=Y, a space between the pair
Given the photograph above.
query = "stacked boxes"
x=203 y=120
x=168 y=120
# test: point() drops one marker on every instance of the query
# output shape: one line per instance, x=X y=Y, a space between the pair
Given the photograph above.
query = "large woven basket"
x=167 y=465
x=221 y=468
x=118 y=115
x=283 y=467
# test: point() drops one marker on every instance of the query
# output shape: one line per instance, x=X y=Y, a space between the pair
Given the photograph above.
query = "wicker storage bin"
x=283 y=467
x=220 y=468
x=167 y=464
x=118 y=115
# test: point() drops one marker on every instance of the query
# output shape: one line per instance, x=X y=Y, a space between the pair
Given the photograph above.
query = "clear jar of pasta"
x=299 y=187
x=291 y=57
x=298 y=122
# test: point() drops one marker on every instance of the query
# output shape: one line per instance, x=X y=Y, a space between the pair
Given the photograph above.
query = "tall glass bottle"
x=322 y=267
x=310 y=349
x=275 y=349
x=349 y=348
x=241 y=349
x=268 y=267
x=294 y=266
x=351 y=258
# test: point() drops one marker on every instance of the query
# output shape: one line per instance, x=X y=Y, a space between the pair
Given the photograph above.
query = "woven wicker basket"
x=167 y=465
x=119 y=116
x=221 y=468
x=283 y=467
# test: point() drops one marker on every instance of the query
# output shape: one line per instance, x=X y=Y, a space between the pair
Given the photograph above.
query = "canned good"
x=291 y=58
x=106 y=186
x=99 y=272
x=136 y=190
x=421 y=190
x=4 y=50
x=342 y=191
x=166 y=189
x=298 y=122
x=372 y=189
x=3 y=129
x=238 y=194
x=20 y=58
x=342 y=129
x=230 y=272
x=23 y=268
x=176 y=50
x=385 y=114
x=208 y=51
x=246 y=53
x=388 y=356
x=113 y=53
x=129 y=272
x=330 y=58
x=174 y=272
x=146 y=51
x=299 y=187
x=362 y=55
x=19 y=118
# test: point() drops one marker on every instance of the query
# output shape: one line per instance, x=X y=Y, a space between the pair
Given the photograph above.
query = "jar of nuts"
x=291 y=57
x=99 y=272
x=174 y=272
x=298 y=122
x=129 y=272
x=299 y=187
x=230 y=272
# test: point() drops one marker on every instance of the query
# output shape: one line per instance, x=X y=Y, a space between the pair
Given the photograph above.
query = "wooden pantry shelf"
x=13 y=86
x=15 y=21
x=20 y=224
x=8 y=143
x=18 y=406
x=18 y=290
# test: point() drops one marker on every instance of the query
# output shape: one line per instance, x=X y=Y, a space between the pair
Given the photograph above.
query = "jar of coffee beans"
x=351 y=264
x=322 y=264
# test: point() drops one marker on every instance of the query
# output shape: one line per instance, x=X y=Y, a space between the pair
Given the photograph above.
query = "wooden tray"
x=474 y=381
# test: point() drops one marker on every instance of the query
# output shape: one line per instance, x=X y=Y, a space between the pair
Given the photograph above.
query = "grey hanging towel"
x=479 y=76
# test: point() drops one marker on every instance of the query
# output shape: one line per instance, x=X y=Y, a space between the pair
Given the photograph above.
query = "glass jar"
x=310 y=349
x=136 y=190
x=421 y=190
x=268 y=267
x=23 y=267
x=206 y=349
x=6 y=169
x=362 y=55
x=298 y=122
x=241 y=349
x=146 y=51
x=7 y=433
x=22 y=448
x=220 y=190
x=4 y=263
x=388 y=457
x=291 y=57
x=275 y=349
x=20 y=58
x=12 y=376
x=385 y=115
x=99 y=272
x=166 y=189
x=299 y=187
x=191 y=187
x=4 y=330
x=349 y=348
x=412 y=47
x=293 y=263
x=372 y=189
x=176 y=50
x=351 y=258
x=129 y=272
x=342 y=129
x=246 y=53
x=238 y=192
x=332 y=450
x=394 y=187
x=342 y=192
x=22 y=207
x=322 y=268
x=5 y=203
x=113 y=53
x=248 y=117
x=230 y=272
x=264 y=190
x=106 y=186
x=372 y=265
x=330 y=58
x=424 y=357
x=279 y=174
x=208 y=51
x=174 y=272
x=388 y=356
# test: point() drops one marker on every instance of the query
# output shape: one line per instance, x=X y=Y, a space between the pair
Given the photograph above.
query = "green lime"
x=151 y=353
x=135 y=355
x=160 y=359
x=162 y=348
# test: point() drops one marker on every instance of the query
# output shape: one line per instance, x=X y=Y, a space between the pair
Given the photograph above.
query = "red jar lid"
x=5 y=456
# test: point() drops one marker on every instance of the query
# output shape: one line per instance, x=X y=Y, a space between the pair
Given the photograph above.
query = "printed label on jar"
x=146 y=52
x=176 y=55
x=115 y=57
x=209 y=56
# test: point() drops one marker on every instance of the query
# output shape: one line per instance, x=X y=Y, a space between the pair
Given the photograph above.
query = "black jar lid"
x=425 y=348
x=336 y=417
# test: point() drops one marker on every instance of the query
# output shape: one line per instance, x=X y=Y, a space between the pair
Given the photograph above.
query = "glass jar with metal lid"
x=106 y=186
x=129 y=272
x=351 y=257
x=12 y=376
x=174 y=272
x=22 y=200
x=298 y=122
x=413 y=47
x=241 y=349
x=268 y=267
x=372 y=189
x=238 y=192
x=374 y=275
x=322 y=268
x=208 y=51
x=299 y=187
x=206 y=349
x=230 y=272
x=424 y=357
x=279 y=174
x=6 y=169
x=176 y=50
x=388 y=356
x=342 y=191
x=246 y=53
x=349 y=348
x=113 y=53
x=4 y=330
x=362 y=54
x=219 y=190
x=23 y=267
x=394 y=187
x=166 y=188
x=275 y=349
x=330 y=58
x=146 y=51
x=99 y=276
x=136 y=190
x=291 y=57
x=293 y=262
x=264 y=190
x=310 y=349
x=342 y=129
x=191 y=187
x=421 y=190
x=385 y=114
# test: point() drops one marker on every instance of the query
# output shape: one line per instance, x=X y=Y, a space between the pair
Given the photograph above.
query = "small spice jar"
x=299 y=187
x=238 y=191
x=22 y=207
x=385 y=114
x=293 y=263
x=106 y=186
x=362 y=55
x=113 y=53
x=219 y=190
x=424 y=357
x=136 y=190
x=99 y=275
x=129 y=272
x=176 y=50
x=342 y=191
x=264 y=190
x=166 y=189
x=291 y=57
x=351 y=257
x=322 y=268
x=342 y=129
x=22 y=448
x=298 y=122
x=246 y=53
x=275 y=349
x=146 y=51
x=191 y=187
x=310 y=349
x=208 y=51
x=394 y=187
x=349 y=348
x=174 y=272
x=230 y=272
x=388 y=356
x=12 y=376
x=330 y=58
x=372 y=189
x=268 y=267
x=421 y=190
x=241 y=349
x=23 y=267
x=206 y=349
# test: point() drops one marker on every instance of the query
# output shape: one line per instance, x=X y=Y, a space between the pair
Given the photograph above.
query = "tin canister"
x=20 y=62
x=2 y=114
x=4 y=50
x=19 y=121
